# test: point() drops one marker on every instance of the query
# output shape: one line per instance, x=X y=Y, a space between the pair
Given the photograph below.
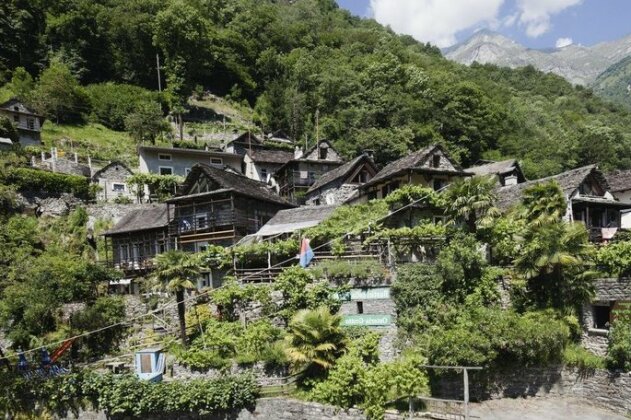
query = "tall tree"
x=472 y=201
x=58 y=95
x=177 y=272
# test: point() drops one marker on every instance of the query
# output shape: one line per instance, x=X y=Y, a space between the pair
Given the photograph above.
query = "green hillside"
x=614 y=83
x=307 y=67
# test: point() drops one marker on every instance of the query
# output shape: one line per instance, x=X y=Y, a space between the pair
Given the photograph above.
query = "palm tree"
x=472 y=201
x=543 y=203
x=555 y=260
x=177 y=271
x=315 y=339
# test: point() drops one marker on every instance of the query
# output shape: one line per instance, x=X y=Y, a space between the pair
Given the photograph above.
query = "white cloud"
x=435 y=21
x=535 y=14
x=564 y=42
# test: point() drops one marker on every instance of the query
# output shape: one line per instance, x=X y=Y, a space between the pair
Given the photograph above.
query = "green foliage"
x=417 y=295
x=419 y=234
x=146 y=122
x=471 y=201
x=460 y=264
x=494 y=337
x=34 y=180
x=300 y=290
x=58 y=95
x=161 y=187
x=256 y=254
x=619 y=350
x=348 y=219
x=103 y=312
x=343 y=269
x=615 y=258
x=314 y=340
x=112 y=102
x=125 y=395
x=8 y=130
x=232 y=297
x=576 y=356
x=409 y=194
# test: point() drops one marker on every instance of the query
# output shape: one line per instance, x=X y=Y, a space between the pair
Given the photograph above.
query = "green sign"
x=373 y=293
x=365 y=320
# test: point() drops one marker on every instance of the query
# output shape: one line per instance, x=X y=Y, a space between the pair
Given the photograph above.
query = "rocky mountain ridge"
x=578 y=64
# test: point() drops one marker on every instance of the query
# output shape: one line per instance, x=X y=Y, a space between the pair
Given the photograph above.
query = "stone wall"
x=264 y=376
x=613 y=289
x=599 y=387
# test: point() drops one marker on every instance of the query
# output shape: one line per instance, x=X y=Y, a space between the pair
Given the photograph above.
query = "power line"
x=191 y=298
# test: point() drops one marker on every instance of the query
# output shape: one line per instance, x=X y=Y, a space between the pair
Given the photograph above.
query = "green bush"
x=343 y=269
x=34 y=180
x=576 y=356
x=619 y=351
x=112 y=102
x=615 y=258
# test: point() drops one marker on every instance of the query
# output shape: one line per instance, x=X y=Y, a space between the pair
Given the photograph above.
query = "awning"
x=270 y=230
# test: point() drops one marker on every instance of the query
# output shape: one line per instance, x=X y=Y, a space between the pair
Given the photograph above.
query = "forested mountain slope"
x=298 y=63
x=615 y=83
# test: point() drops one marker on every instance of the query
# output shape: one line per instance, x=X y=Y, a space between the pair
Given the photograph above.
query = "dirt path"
x=539 y=409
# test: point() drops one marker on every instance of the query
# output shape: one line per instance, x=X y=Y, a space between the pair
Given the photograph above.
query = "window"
x=30 y=123
x=439 y=184
x=324 y=151
x=601 y=315
x=436 y=161
x=360 y=307
x=187 y=171
x=202 y=222
x=16 y=118
x=312 y=176
x=118 y=187
x=264 y=174
x=123 y=253
x=164 y=157
x=166 y=170
x=216 y=161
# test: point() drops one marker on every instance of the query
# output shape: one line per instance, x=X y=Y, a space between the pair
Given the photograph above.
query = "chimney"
x=370 y=153
x=297 y=153
x=510 y=180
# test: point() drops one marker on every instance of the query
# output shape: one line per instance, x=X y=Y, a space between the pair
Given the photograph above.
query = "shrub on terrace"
x=35 y=180
x=619 y=351
x=615 y=259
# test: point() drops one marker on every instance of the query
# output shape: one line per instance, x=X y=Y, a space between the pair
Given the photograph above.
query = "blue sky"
x=534 y=23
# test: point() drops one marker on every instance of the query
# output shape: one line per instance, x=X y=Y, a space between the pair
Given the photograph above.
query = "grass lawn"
x=94 y=140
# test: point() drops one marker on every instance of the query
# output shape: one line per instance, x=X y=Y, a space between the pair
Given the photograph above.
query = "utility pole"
x=317 y=121
x=158 y=69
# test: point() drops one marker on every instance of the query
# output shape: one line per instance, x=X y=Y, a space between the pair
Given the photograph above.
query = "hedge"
x=35 y=180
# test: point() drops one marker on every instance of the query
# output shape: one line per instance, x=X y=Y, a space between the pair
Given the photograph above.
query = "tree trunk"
x=471 y=223
x=181 y=314
x=3 y=361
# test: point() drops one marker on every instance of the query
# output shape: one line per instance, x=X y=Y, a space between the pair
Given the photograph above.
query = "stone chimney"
x=510 y=180
x=297 y=153
x=370 y=153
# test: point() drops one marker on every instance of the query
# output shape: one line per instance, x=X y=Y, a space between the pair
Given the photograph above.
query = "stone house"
x=598 y=314
x=112 y=179
x=175 y=161
x=506 y=172
x=219 y=207
x=341 y=184
x=242 y=143
x=28 y=123
x=620 y=183
x=135 y=240
x=588 y=197
x=296 y=176
x=262 y=164
x=429 y=167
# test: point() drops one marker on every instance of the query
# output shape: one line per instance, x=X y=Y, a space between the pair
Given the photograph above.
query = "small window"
x=264 y=174
x=166 y=170
x=439 y=184
x=118 y=187
x=30 y=123
x=164 y=157
x=312 y=176
x=324 y=151
x=187 y=171
x=202 y=222
x=16 y=118
x=16 y=108
x=360 y=307
x=436 y=161
x=216 y=161
x=601 y=316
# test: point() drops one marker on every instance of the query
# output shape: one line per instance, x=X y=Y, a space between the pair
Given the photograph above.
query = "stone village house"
x=177 y=161
x=28 y=123
x=341 y=184
x=296 y=176
x=506 y=172
x=113 y=180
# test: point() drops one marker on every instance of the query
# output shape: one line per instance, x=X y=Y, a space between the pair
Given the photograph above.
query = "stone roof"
x=411 y=161
x=291 y=220
x=341 y=172
x=569 y=181
x=490 y=168
x=154 y=217
x=23 y=109
x=270 y=156
x=235 y=182
x=109 y=165
x=619 y=180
